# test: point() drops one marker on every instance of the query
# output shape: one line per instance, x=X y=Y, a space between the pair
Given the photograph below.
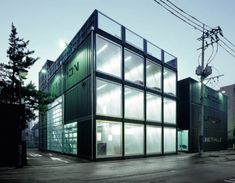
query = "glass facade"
x=153 y=107
x=154 y=139
x=169 y=82
x=169 y=111
x=183 y=140
x=134 y=139
x=134 y=67
x=169 y=140
x=108 y=138
x=108 y=56
x=153 y=76
x=70 y=138
x=134 y=103
x=108 y=100
x=131 y=95
x=55 y=125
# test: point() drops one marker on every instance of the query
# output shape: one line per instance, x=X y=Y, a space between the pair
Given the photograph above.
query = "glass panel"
x=134 y=67
x=154 y=139
x=108 y=99
x=108 y=138
x=169 y=111
x=154 y=51
x=183 y=140
x=169 y=82
x=169 y=140
x=54 y=125
x=108 y=25
x=134 y=103
x=134 y=139
x=170 y=59
x=70 y=138
x=134 y=40
x=153 y=107
x=153 y=75
x=108 y=57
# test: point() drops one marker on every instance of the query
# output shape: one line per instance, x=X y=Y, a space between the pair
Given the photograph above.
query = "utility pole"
x=204 y=71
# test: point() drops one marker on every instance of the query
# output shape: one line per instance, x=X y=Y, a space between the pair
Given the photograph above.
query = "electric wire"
x=216 y=51
x=227 y=50
x=227 y=46
x=178 y=16
x=187 y=14
x=183 y=15
x=228 y=40
x=212 y=53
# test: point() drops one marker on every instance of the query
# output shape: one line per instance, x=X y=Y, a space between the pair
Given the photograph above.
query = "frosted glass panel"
x=169 y=140
x=134 y=103
x=108 y=138
x=134 y=139
x=154 y=139
x=153 y=75
x=108 y=101
x=108 y=57
x=70 y=138
x=154 y=107
x=134 y=67
x=169 y=111
x=169 y=82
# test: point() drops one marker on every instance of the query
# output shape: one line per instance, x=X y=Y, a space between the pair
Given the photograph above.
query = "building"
x=115 y=95
x=229 y=91
x=188 y=117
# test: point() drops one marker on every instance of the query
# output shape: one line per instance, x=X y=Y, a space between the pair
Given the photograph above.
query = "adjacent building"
x=115 y=95
x=229 y=91
x=189 y=117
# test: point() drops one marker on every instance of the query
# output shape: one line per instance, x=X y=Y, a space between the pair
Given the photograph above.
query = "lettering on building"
x=213 y=139
x=74 y=68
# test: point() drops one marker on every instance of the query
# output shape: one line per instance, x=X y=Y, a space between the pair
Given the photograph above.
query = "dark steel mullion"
x=123 y=34
x=162 y=110
x=145 y=95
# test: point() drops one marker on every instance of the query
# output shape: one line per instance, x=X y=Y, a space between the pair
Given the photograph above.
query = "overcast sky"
x=46 y=22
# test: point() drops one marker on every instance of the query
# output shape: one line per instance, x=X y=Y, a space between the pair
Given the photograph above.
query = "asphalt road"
x=51 y=167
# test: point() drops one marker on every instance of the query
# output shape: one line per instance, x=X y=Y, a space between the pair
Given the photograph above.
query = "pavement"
x=213 y=167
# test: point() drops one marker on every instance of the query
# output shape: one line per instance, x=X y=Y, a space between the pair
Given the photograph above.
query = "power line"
x=183 y=15
x=178 y=16
x=228 y=40
x=233 y=55
x=227 y=46
x=187 y=14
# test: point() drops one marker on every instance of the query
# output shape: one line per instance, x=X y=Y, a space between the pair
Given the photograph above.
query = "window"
x=154 y=107
x=108 y=57
x=169 y=140
x=134 y=67
x=134 y=39
x=169 y=82
x=70 y=138
x=154 y=51
x=108 y=138
x=183 y=140
x=169 y=111
x=134 y=103
x=153 y=75
x=54 y=125
x=134 y=139
x=108 y=101
x=154 y=139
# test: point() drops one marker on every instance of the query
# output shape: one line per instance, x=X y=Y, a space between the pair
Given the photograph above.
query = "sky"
x=47 y=23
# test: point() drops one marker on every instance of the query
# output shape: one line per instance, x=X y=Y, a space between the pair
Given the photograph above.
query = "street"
x=52 y=167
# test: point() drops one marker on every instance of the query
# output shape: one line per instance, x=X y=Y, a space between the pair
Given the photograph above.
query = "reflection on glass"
x=134 y=67
x=134 y=103
x=108 y=138
x=134 y=139
x=169 y=82
x=154 y=51
x=134 y=40
x=154 y=107
x=169 y=140
x=154 y=139
x=108 y=100
x=109 y=26
x=169 y=111
x=153 y=75
x=183 y=140
x=54 y=125
x=70 y=138
x=108 y=57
